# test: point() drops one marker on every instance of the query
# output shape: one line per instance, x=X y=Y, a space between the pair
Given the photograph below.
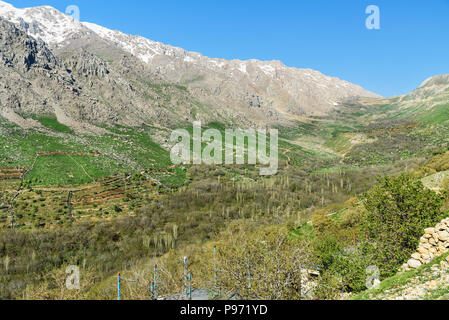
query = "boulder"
x=443 y=235
x=426 y=245
x=423 y=250
x=414 y=264
x=435 y=237
x=433 y=243
x=416 y=256
x=426 y=257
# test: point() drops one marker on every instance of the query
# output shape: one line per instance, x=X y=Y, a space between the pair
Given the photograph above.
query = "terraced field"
x=28 y=206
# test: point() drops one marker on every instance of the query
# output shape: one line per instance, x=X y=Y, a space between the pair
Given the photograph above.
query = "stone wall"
x=433 y=243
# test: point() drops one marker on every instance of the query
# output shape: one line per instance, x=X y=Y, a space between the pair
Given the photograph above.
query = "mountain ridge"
x=280 y=93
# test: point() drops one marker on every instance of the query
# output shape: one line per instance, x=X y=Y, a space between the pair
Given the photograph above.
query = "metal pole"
x=190 y=286
x=118 y=286
x=215 y=267
x=152 y=291
x=155 y=281
x=249 y=276
x=185 y=277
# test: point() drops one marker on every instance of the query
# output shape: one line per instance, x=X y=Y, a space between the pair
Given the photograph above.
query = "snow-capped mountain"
x=273 y=89
x=45 y=23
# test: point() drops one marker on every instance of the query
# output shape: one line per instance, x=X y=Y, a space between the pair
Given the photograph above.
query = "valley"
x=86 y=179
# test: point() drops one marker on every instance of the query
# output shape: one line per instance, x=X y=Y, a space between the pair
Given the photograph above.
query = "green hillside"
x=55 y=184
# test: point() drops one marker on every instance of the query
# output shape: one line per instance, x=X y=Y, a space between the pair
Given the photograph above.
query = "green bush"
x=398 y=210
x=344 y=268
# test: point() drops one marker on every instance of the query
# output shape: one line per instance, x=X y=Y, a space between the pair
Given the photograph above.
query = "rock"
x=433 y=284
x=426 y=246
x=416 y=256
x=433 y=243
x=423 y=250
x=421 y=292
x=414 y=264
x=443 y=235
x=426 y=257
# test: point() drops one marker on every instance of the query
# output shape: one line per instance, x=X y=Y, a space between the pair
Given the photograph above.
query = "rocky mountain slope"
x=426 y=105
x=250 y=92
x=82 y=90
x=433 y=86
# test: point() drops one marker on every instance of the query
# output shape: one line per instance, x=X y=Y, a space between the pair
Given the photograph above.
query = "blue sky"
x=326 y=35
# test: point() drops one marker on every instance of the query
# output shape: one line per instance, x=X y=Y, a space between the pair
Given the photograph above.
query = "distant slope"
x=428 y=104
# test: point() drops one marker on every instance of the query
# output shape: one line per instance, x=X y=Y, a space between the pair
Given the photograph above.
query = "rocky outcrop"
x=87 y=64
x=430 y=283
x=83 y=90
x=434 y=243
x=22 y=52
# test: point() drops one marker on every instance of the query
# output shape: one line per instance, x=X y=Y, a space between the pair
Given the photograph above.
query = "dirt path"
x=84 y=170
x=30 y=168
x=288 y=158
x=313 y=146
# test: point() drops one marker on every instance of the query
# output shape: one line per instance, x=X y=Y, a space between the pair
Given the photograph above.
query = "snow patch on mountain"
x=44 y=22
